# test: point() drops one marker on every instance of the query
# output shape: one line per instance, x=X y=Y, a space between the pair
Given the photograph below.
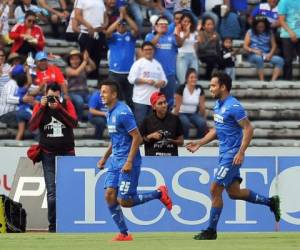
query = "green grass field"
x=150 y=241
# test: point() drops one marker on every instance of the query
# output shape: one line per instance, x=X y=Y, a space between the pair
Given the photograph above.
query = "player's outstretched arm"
x=195 y=145
x=247 y=136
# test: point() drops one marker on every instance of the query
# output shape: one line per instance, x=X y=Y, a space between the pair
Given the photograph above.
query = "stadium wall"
x=269 y=171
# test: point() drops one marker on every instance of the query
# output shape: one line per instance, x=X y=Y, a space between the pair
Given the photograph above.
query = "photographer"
x=162 y=131
x=55 y=118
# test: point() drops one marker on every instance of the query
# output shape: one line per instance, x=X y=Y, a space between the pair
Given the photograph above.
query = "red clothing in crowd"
x=50 y=75
x=20 y=28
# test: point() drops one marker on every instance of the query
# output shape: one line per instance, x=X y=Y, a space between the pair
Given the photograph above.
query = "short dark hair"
x=114 y=86
x=190 y=71
x=227 y=38
x=223 y=79
x=21 y=79
x=29 y=13
x=147 y=43
x=53 y=86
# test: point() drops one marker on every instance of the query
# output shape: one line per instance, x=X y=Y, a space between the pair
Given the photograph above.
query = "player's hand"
x=127 y=167
x=238 y=159
x=192 y=146
x=101 y=163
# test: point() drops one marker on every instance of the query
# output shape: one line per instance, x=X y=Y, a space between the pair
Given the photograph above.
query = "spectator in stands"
x=58 y=13
x=9 y=100
x=121 y=44
x=5 y=8
x=154 y=7
x=24 y=110
x=79 y=66
x=177 y=15
x=97 y=113
x=166 y=46
x=92 y=18
x=190 y=105
x=4 y=70
x=186 y=57
x=161 y=131
x=227 y=61
x=185 y=7
x=269 y=10
x=148 y=77
x=289 y=19
x=211 y=8
x=112 y=11
x=28 y=36
x=73 y=29
x=55 y=118
x=261 y=46
x=14 y=59
x=208 y=46
x=47 y=73
x=26 y=5
x=240 y=8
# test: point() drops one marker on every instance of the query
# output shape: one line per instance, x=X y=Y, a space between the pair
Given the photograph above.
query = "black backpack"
x=12 y=216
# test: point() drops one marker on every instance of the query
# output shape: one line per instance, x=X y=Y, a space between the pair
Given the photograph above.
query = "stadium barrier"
x=81 y=206
x=31 y=193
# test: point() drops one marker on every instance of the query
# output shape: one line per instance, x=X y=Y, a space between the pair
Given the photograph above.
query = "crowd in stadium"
x=181 y=36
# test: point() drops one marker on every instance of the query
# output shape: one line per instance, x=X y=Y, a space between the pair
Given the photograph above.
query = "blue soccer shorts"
x=125 y=183
x=227 y=173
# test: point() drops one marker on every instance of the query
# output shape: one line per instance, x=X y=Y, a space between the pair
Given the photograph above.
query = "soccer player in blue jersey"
x=123 y=161
x=234 y=132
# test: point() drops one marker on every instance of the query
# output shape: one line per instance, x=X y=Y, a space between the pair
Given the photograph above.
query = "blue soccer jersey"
x=122 y=52
x=120 y=122
x=165 y=52
x=227 y=114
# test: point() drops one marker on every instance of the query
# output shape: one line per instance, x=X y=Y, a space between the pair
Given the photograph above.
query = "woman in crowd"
x=186 y=57
x=79 y=66
x=208 y=46
x=261 y=46
x=190 y=105
x=27 y=36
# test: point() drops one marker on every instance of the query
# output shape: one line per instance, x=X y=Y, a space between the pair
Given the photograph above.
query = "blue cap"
x=41 y=55
x=18 y=69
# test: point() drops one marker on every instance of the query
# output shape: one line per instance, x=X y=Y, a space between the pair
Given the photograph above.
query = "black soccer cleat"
x=275 y=207
x=208 y=234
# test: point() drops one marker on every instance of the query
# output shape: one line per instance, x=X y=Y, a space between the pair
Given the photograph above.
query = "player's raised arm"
x=195 y=145
x=247 y=136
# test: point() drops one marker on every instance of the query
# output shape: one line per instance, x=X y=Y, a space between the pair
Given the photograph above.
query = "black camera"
x=51 y=98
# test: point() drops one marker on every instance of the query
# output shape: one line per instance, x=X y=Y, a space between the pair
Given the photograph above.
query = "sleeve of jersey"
x=37 y=115
x=149 y=37
x=238 y=112
x=128 y=121
x=93 y=101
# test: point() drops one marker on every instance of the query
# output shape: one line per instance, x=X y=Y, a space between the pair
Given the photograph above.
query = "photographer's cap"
x=155 y=97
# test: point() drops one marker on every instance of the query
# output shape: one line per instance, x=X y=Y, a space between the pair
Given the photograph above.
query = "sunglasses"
x=30 y=20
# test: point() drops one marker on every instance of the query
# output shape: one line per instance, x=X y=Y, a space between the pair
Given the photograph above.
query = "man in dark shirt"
x=55 y=118
x=162 y=131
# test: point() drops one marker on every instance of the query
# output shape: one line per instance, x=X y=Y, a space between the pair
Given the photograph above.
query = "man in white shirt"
x=91 y=15
x=148 y=77
x=9 y=99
